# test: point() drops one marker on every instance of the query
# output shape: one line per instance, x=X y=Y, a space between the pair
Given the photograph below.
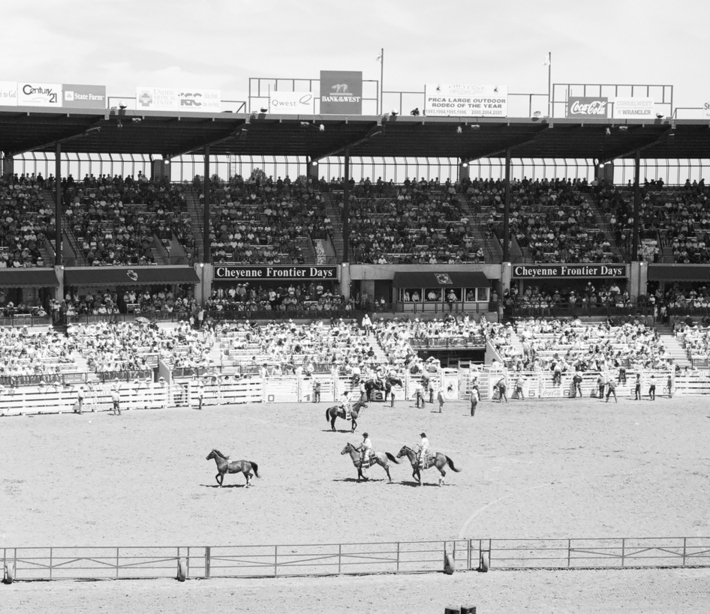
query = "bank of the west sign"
x=560 y=271
x=304 y=273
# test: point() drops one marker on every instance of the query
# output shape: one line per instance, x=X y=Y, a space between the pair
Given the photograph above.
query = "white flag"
x=548 y=60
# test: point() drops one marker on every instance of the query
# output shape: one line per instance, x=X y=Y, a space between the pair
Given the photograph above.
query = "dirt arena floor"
x=556 y=468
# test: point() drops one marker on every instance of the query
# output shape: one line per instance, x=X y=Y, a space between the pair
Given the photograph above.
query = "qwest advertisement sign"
x=568 y=271
x=586 y=107
x=8 y=94
x=291 y=103
x=706 y=109
x=341 y=92
x=466 y=100
x=303 y=273
x=39 y=94
x=634 y=108
x=84 y=96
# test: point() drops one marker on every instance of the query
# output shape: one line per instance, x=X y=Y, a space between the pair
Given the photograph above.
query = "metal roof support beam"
x=85 y=131
x=622 y=154
x=346 y=205
x=506 y=210
x=637 y=206
x=375 y=130
x=203 y=144
x=497 y=152
x=206 y=256
x=58 y=207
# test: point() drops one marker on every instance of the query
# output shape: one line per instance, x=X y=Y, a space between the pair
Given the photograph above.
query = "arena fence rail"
x=137 y=562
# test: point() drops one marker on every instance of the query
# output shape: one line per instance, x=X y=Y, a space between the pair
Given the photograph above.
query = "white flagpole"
x=382 y=78
x=549 y=83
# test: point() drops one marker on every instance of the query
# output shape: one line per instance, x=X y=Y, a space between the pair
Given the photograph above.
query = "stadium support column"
x=206 y=209
x=58 y=205
x=637 y=208
x=464 y=170
x=346 y=205
x=8 y=167
x=506 y=211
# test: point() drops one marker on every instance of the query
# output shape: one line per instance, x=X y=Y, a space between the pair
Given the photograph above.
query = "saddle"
x=427 y=461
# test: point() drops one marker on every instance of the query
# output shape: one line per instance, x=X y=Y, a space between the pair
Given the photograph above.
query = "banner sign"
x=39 y=94
x=207 y=101
x=466 y=100
x=304 y=273
x=157 y=99
x=84 y=96
x=568 y=271
x=291 y=103
x=341 y=92
x=634 y=108
x=8 y=93
x=586 y=107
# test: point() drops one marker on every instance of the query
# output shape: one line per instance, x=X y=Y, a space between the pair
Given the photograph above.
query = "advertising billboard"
x=588 y=107
x=8 y=93
x=291 y=103
x=568 y=271
x=341 y=92
x=634 y=108
x=157 y=99
x=466 y=100
x=304 y=273
x=39 y=94
x=706 y=109
x=207 y=101
x=84 y=96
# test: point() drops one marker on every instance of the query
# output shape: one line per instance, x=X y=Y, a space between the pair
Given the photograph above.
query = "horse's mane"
x=218 y=453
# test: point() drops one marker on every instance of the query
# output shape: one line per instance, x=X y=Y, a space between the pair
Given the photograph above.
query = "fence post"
x=188 y=561
x=276 y=561
x=685 y=543
x=208 y=561
x=569 y=552
x=398 y=549
x=340 y=554
x=117 y=558
x=51 y=561
x=623 y=550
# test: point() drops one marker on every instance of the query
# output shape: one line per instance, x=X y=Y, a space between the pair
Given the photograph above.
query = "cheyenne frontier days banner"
x=466 y=100
x=303 y=273
x=568 y=271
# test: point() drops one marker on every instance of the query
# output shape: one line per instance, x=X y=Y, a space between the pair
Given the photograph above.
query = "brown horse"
x=336 y=411
x=376 y=458
x=437 y=460
x=224 y=465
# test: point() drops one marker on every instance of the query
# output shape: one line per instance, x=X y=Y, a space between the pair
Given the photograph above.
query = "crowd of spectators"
x=543 y=301
x=569 y=345
x=263 y=221
x=678 y=218
x=295 y=298
x=116 y=220
x=25 y=222
x=421 y=223
x=33 y=353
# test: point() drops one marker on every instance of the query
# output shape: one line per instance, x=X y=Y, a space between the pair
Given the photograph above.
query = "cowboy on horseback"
x=365 y=451
x=345 y=404
x=423 y=450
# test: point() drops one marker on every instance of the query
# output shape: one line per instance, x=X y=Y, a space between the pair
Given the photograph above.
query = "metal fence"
x=123 y=562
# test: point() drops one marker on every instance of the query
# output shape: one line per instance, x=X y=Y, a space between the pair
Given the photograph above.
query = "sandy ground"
x=559 y=468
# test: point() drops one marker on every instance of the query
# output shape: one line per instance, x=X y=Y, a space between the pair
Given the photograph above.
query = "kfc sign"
x=201 y=100
x=587 y=108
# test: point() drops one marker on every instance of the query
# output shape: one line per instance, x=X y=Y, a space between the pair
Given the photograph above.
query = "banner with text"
x=568 y=271
x=206 y=101
x=263 y=273
x=587 y=107
x=466 y=100
x=634 y=108
x=173 y=99
x=84 y=96
x=8 y=93
x=291 y=103
x=39 y=94
x=341 y=92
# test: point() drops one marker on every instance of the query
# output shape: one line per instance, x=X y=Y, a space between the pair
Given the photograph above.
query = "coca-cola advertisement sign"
x=588 y=107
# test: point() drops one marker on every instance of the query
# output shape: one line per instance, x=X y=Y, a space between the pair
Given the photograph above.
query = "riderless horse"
x=376 y=458
x=337 y=411
x=384 y=385
x=224 y=465
x=437 y=460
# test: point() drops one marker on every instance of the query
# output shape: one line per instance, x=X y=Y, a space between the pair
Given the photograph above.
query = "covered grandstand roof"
x=25 y=129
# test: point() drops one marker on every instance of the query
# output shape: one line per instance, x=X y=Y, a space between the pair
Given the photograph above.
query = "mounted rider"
x=365 y=451
x=423 y=450
x=345 y=402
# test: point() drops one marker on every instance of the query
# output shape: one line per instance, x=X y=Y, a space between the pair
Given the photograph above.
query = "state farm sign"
x=585 y=107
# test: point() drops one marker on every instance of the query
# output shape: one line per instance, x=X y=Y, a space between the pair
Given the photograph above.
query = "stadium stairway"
x=604 y=227
x=334 y=214
x=380 y=355
x=516 y=343
x=677 y=352
x=195 y=210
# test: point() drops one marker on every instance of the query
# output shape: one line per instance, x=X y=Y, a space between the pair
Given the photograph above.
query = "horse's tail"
x=451 y=464
x=327 y=417
x=256 y=468
x=392 y=458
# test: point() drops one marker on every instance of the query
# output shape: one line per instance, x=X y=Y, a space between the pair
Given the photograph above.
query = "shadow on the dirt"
x=225 y=486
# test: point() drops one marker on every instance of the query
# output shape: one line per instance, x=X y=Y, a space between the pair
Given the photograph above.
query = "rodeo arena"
x=301 y=338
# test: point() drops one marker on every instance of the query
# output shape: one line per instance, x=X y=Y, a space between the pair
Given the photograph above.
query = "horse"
x=336 y=411
x=376 y=458
x=385 y=385
x=224 y=465
x=438 y=460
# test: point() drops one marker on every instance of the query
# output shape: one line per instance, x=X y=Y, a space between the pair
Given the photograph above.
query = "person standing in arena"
x=637 y=388
x=475 y=397
x=652 y=388
x=501 y=385
x=80 y=399
x=600 y=386
x=116 y=398
x=441 y=398
x=577 y=385
x=611 y=389
x=519 y=385
x=316 y=391
x=670 y=385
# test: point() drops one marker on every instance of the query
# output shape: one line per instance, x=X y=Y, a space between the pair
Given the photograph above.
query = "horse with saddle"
x=382 y=384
